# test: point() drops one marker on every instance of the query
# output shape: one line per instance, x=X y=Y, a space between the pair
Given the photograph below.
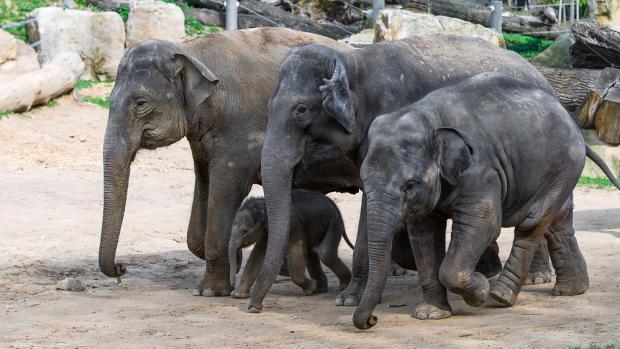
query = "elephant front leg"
x=198 y=218
x=428 y=241
x=252 y=268
x=224 y=200
x=353 y=293
x=476 y=223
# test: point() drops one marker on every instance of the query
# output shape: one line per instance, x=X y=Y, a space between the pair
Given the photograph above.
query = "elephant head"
x=403 y=173
x=312 y=103
x=248 y=228
x=159 y=86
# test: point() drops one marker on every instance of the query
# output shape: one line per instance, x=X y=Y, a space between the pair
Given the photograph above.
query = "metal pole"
x=496 y=15
x=377 y=5
x=560 y=7
x=577 y=12
x=231 y=14
x=571 y=12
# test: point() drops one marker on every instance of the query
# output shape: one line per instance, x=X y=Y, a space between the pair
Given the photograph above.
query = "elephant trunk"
x=234 y=251
x=382 y=220
x=279 y=157
x=117 y=156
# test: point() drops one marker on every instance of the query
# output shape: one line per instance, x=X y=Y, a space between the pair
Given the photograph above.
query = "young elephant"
x=490 y=152
x=315 y=234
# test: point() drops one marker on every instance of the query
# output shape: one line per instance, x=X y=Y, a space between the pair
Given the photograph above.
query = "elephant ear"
x=197 y=80
x=456 y=153
x=338 y=98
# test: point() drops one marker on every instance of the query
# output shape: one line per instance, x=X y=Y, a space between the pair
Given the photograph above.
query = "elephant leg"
x=476 y=223
x=570 y=266
x=490 y=264
x=225 y=197
x=402 y=254
x=540 y=270
x=252 y=267
x=316 y=271
x=428 y=240
x=198 y=218
x=353 y=293
x=297 y=267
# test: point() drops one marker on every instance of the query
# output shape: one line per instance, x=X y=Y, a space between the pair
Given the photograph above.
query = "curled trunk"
x=234 y=250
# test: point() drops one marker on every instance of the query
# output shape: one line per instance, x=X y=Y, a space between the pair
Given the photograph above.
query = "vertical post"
x=577 y=12
x=231 y=14
x=571 y=12
x=377 y=5
x=496 y=15
x=560 y=10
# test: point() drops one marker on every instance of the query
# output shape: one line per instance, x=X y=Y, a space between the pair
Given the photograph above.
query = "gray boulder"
x=557 y=55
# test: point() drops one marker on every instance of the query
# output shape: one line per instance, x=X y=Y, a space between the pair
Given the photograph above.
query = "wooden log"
x=596 y=46
x=21 y=92
x=480 y=15
x=109 y=5
x=607 y=121
x=588 y=110
x=571 y=85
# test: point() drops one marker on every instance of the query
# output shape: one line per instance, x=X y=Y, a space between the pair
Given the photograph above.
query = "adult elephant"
x=213 y=91
x=323 y=105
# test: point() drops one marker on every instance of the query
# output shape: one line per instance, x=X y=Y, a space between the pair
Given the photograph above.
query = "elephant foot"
x=239 y=294
x=364 y=320
x=538 y=277
x=310 y=287
x=503 y=294
x=396 y=270
x=255 y=309
x=475 y=292
x=431 y=312
x=210 y=287
x=570 y=287
x=351 y=296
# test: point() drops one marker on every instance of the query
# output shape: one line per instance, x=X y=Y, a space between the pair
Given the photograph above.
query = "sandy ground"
x=50 y=216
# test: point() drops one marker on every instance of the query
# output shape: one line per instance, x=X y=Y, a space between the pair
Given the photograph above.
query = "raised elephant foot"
x=474 y=289
x=310 y=288
x=210 y=287
x=538 y=277
x=240 y=294
x=503 y=294
x=351 y=296
x=431 y=312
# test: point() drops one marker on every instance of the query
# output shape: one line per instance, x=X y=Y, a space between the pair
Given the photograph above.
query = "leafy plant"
x=102 y=102
x=124 y=13
x=193 y=27
x=598 y=183
x=526 y=46
x=5 y=113
x=17 y=11
x=51 y=103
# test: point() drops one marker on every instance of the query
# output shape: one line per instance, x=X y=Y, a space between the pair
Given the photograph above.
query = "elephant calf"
x=316 y=229
x=490 y=152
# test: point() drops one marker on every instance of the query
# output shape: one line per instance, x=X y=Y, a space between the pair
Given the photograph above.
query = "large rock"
x=155 y=20
x=25 y=61
x=8 y=46
x=395 y=24
x=557 y=55
x=365 y=37
x=98 y=37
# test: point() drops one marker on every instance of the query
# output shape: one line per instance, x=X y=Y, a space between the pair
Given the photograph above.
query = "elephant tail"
x=341 y=222
x=601 y=164
x=346 y=239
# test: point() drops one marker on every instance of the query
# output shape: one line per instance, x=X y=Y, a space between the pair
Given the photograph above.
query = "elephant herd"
x=429 y=129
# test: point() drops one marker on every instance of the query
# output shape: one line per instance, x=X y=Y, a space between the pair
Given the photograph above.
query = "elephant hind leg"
x=316 y=271
x=570 y=266
x=540 y=270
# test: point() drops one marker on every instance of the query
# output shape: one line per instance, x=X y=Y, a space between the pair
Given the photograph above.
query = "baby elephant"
x=316 y=229
x=489 y=152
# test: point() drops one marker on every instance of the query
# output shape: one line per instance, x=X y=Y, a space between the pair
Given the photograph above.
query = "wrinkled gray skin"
x=316 y=230
x=490 y=152
x=323 y=105
x=213 y=91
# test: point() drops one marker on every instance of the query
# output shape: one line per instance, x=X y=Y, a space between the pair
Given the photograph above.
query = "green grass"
x=18 y=11
x=598 y=183
x=102 y=102
x=51 y=103
x=5 y=114
x=526 y=46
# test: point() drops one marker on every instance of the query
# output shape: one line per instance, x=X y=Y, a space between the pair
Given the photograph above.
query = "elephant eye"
x=410 y=185
x=300 y=113
x=141 y=107
x=301 y=109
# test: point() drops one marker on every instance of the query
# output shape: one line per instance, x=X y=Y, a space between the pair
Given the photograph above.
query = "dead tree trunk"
x=596 y=47
x=571 y=85
x=601 y=109
x=478 y=14
x=21 y=92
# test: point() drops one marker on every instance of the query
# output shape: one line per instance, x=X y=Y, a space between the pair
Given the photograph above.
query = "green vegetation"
x=18 y=11
x=195 y=28
x=124 y=13
x=51 y=103
x=102 y=102
x=5 y=114
x=598 y=183
x=526 y=46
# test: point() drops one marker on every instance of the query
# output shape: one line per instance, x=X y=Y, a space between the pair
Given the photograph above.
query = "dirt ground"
x=50 y=216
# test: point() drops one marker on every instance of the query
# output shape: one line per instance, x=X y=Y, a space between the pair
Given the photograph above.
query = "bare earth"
x=50 y=216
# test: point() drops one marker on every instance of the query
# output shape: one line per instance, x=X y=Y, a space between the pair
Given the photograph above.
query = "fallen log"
x=255 y=13
x=596 y=46
x=109 y=5
x=480 y=15
x=571 y=85
x=601 y=109
x=21 y=92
